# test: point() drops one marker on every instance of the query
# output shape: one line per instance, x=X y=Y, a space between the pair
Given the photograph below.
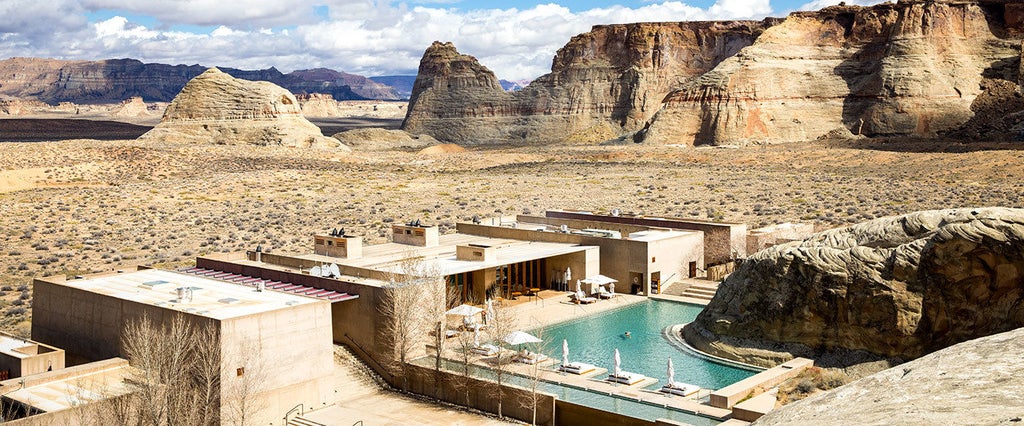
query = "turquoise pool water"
x=594 y=338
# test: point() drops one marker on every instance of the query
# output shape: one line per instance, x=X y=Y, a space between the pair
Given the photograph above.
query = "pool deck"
x=552 y=307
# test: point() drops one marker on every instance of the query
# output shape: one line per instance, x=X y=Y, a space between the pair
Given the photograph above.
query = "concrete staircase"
x=302 y=421
x=704 y=290
x=692 y=290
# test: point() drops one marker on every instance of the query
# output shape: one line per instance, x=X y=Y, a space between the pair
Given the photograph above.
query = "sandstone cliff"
x=603 y=84
x=217 y=108
x=896 y=287
x=906 y=68
x=976 y=382
x=114 y=80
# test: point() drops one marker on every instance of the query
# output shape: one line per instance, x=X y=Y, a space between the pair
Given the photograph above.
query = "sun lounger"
x=604 y=294
x=530 y=358
x=450 y=333
x=626 y=378
x=681 y=389
x=485 y=350
x=580 y=297
x=577 y=368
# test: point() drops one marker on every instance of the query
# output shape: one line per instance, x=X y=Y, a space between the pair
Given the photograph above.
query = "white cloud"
x=369 y=37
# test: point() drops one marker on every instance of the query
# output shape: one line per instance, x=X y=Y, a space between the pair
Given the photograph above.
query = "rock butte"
x=895 y=287
x=911 y=68
x=217 y=108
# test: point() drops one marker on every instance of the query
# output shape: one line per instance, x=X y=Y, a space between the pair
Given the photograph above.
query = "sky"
x=515 y=38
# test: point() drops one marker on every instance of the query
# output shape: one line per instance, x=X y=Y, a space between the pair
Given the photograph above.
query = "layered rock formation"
x=318 y=105
x=133 y=107
x=114 y=80
x=906 y=68
x=896 y=287
x=977 y=383
x=603 y=84
x=218 y=108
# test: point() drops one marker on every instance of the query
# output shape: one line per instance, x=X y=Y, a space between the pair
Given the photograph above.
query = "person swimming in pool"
x=628 y=335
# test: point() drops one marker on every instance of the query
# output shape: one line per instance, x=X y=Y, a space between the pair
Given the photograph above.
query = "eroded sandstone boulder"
x=217 y=108
x=976 y=382
x=900 y=68
x=895 y=287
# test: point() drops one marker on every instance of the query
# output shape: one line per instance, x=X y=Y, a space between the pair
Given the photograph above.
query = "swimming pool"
x=594 y=338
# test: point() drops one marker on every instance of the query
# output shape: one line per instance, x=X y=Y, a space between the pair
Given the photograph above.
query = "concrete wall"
x=762 y=238
x=285 y=353
x=722 y=241
x=516 y=402
x=567 y=413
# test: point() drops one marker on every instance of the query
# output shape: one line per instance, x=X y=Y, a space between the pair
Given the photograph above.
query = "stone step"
x=302 y=421
x=699 y=293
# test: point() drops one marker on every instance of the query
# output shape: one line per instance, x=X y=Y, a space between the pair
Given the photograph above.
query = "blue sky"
x=516 y=39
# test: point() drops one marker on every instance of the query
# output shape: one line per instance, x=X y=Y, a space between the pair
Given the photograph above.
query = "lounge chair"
x=580 y=297
x=577 y=368
x=626 y=378
x=485 y=350
x=469 y=324
x=450 y=333
x=681 y=389
x=527 y=357
x=604 y=294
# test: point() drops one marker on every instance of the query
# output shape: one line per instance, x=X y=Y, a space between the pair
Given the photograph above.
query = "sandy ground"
x=85 y=205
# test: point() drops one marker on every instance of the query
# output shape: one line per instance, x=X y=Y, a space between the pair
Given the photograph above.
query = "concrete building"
x=640 y=258
x=762 y=238
x=270 y=329
x=723 y=241
x=20 y=357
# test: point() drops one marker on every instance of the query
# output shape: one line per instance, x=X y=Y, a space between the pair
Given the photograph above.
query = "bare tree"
x=240 y=403
x=177 y=373
x=500 y=325
x=437 y=297
x=534 y=374
x=402 y=309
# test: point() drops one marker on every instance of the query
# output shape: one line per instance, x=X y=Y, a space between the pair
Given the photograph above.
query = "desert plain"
x=83 y=205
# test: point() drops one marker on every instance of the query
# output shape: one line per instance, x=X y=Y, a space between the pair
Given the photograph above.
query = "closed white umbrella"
x=618 y=363
x=565 y=352
x=671 y=374
x=490 y=311
x=476 y=339
x=578 y=289
x=568 y=274
x=520 y=337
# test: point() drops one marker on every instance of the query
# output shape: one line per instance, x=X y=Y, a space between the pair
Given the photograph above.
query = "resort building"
x=21 y=357
x=86 y=317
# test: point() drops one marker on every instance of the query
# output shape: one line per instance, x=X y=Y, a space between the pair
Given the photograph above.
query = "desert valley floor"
x=86 y=205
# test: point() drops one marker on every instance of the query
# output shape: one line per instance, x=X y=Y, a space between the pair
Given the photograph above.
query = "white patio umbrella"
x=464 y=310
x=578 y=288
x=476 y=338
x=568 y=274
x=565 y=352
x=671 y=374
x=520 y=337
x=618 y=363
x=489 y=315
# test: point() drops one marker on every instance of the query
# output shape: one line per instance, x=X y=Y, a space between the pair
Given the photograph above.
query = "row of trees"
x=413 y=307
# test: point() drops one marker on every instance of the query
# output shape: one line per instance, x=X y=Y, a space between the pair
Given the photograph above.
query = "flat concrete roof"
x=648 y=235
x=210 y=298
x=389 y=256
x=71 y=387
x=8 y=344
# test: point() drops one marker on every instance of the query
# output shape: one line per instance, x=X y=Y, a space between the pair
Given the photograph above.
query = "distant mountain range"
x=114 y=80
x=403 y=84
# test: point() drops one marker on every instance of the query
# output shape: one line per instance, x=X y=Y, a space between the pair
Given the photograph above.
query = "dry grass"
x=101 y=205
x=810 y=382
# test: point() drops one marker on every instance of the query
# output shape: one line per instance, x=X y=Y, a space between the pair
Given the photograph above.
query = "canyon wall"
x=893 y=288
x=906 y=68
x=909 y=68
x=603 y=84
x=115 y=80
